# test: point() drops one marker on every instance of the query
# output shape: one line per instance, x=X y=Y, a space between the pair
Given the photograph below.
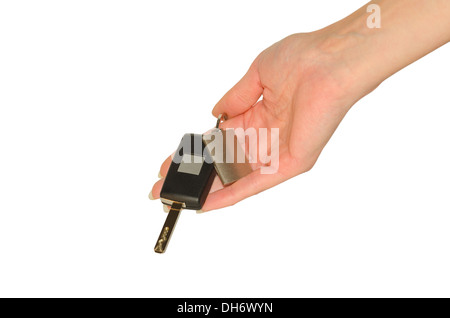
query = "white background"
x=95 y=94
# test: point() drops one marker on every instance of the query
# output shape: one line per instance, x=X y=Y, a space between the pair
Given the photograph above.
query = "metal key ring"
x=219 y=119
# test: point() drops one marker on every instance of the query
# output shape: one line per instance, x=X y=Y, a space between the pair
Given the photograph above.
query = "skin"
x=309 y=81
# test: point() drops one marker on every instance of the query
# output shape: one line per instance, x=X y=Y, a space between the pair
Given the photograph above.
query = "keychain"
x=192 y=171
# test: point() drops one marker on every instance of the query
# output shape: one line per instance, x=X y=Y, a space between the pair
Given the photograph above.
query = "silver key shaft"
x=168 y=227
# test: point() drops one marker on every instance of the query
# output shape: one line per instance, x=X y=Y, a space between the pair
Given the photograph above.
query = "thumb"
x=242 y=96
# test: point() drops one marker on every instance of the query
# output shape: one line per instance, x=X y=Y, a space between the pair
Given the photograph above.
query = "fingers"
x=242 y=96
x=241 y=189
x=156 y=190
x=165 y=166
x=235 y=122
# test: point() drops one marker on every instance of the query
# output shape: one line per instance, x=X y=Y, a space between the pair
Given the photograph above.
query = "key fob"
x=190 y=174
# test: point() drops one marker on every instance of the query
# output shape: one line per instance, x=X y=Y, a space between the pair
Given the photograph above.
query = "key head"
x=190 y=174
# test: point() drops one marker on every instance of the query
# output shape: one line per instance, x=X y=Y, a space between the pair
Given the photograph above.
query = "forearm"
x=409 y=30
x=308 y=82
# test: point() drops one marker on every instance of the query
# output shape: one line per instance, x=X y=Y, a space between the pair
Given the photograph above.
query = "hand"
x=309 y=81
x=307 y=86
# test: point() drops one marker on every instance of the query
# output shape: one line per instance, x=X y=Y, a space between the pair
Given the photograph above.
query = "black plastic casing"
x=187 y=188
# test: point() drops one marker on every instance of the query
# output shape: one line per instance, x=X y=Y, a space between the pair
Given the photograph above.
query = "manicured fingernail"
x=166 y=208
x=200 y=211
x=159 y=175
x=150 y=196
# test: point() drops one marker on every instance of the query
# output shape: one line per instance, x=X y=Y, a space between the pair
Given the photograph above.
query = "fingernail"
x=166 y=208
x=150 y=196
x=200 y=211
x=159 y=175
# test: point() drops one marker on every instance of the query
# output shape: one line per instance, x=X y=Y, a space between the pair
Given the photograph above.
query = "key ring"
x=221 y=118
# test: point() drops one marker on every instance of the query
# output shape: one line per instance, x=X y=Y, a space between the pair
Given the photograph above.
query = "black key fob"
x=190 y=174
x=187 y=183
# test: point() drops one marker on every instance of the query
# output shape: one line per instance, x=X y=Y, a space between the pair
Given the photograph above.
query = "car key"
x=186 y=185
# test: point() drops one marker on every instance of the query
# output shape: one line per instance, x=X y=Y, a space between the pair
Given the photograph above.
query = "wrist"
x=408 y=30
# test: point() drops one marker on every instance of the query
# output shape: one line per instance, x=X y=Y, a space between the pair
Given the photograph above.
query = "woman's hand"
x=309 y=81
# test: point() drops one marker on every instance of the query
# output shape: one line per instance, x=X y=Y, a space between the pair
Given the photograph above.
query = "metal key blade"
x=168 y=227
